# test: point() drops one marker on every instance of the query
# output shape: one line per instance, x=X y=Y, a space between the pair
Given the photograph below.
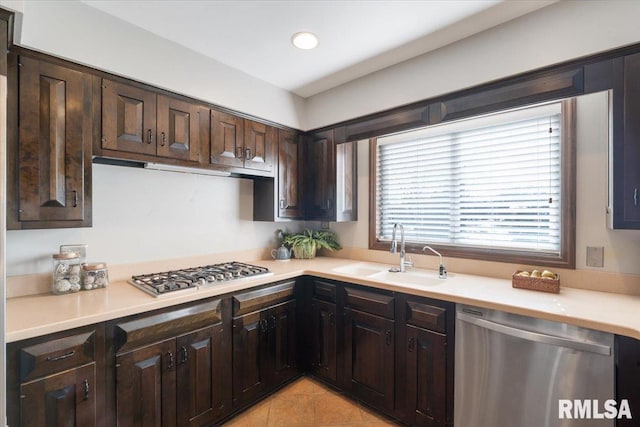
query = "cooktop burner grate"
x=191 y=279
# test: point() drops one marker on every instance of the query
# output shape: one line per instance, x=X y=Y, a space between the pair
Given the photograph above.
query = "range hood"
x=159 y=166
x=185 y=169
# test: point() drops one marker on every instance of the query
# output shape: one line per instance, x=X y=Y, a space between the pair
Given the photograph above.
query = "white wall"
x=556 y=33
x=621 y=247
x=75 y=31
x=145 y=215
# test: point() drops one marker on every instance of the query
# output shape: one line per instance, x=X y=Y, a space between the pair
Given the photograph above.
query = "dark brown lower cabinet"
x=264 y=351
x=426 y=377
x=202 y=377
x=324 y=355
x=628 y=377
x=249 y=358
x=171 y=368
x=146 y=386
x=56 y=380
x=64 y=399
x=369 y=363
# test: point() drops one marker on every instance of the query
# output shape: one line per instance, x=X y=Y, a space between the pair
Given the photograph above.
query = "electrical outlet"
x=324 y=225
x=595 y=256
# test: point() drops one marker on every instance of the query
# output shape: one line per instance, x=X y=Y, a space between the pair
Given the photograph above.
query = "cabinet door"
x=627 y=375
x=369 y=358
x=426 y=377
x=249 y=357
x=128 y=118
x=282 y=354
x=54 y=153
x=61 y=400
x=626 y=143
x=203 y=384
x=227 y=139
x=259 y=146
x=346 y=181
x=289 y=175
x=323 y=335
x=320 y=177
x=146 y=386
x=178 y=132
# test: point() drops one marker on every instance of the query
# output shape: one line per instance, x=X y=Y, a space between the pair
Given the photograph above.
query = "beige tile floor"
x=307 y=403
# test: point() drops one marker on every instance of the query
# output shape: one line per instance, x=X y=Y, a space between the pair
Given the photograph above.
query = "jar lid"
x=66 y=255
x=95 y=266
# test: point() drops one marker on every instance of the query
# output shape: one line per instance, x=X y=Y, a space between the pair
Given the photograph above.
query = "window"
x=498 y=187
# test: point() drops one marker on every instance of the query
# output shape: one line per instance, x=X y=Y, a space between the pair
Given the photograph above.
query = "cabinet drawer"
x=324 y=290
x=426 y=316
x=54 y=356
x=150 y=329
x=255 y=300
x=370 y=302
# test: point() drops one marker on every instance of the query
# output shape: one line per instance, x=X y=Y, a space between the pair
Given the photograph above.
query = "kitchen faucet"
x=442 y=274
x=394 y=249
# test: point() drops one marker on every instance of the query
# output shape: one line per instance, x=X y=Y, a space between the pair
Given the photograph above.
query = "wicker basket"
x=536 y=283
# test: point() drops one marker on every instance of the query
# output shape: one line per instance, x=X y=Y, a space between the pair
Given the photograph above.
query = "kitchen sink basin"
x=411 y=277
x=361 y=269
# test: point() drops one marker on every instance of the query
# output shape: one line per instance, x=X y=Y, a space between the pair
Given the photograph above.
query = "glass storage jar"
x=66 y=273
x=94 y=276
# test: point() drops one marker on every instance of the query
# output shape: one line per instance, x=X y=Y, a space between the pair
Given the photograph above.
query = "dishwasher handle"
x=536 y=336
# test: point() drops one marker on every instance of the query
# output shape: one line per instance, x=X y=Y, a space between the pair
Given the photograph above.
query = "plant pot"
x=304 y=251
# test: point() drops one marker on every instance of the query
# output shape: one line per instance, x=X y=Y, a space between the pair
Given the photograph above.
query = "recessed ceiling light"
x=304 y=40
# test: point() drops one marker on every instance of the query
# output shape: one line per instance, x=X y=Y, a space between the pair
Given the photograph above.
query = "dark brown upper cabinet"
x=248 y=147
x=50 y=184
x=289 y=175
x=626 y=143
x=178 y=130
x=330 y=179
x=138 y=121
x=259 y=146
x=281 y=199
x=227 y=139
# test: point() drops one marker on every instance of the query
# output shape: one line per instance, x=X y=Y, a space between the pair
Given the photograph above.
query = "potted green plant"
x=304 y=245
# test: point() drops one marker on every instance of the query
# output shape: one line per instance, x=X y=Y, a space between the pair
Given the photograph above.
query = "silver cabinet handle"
x=85 y=389
x=239 y=152
x=61 y=357
x=75 y=198
x=170 y=362
x=149 y=136
x=635 y=196
x=248 y=153
x=163 y=139
x=536 y=336
x=185 y=355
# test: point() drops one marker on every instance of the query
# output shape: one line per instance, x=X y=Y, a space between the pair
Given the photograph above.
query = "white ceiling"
x=356 y=37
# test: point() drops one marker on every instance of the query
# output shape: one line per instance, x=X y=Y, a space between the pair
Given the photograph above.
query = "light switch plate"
x=595 y=256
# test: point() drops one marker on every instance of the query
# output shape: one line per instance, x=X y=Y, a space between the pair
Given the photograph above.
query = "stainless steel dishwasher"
x=512 y=370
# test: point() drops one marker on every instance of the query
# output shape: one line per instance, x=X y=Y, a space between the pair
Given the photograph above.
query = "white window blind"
x=491 y=182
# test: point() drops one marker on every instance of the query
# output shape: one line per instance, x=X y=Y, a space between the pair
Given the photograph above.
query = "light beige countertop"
x=36 y=315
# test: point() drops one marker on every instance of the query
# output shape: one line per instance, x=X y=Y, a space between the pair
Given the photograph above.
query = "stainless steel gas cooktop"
x=191 y=279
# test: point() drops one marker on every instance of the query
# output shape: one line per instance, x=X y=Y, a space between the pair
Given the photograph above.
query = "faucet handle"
x=443 y=272
x=394 y=246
